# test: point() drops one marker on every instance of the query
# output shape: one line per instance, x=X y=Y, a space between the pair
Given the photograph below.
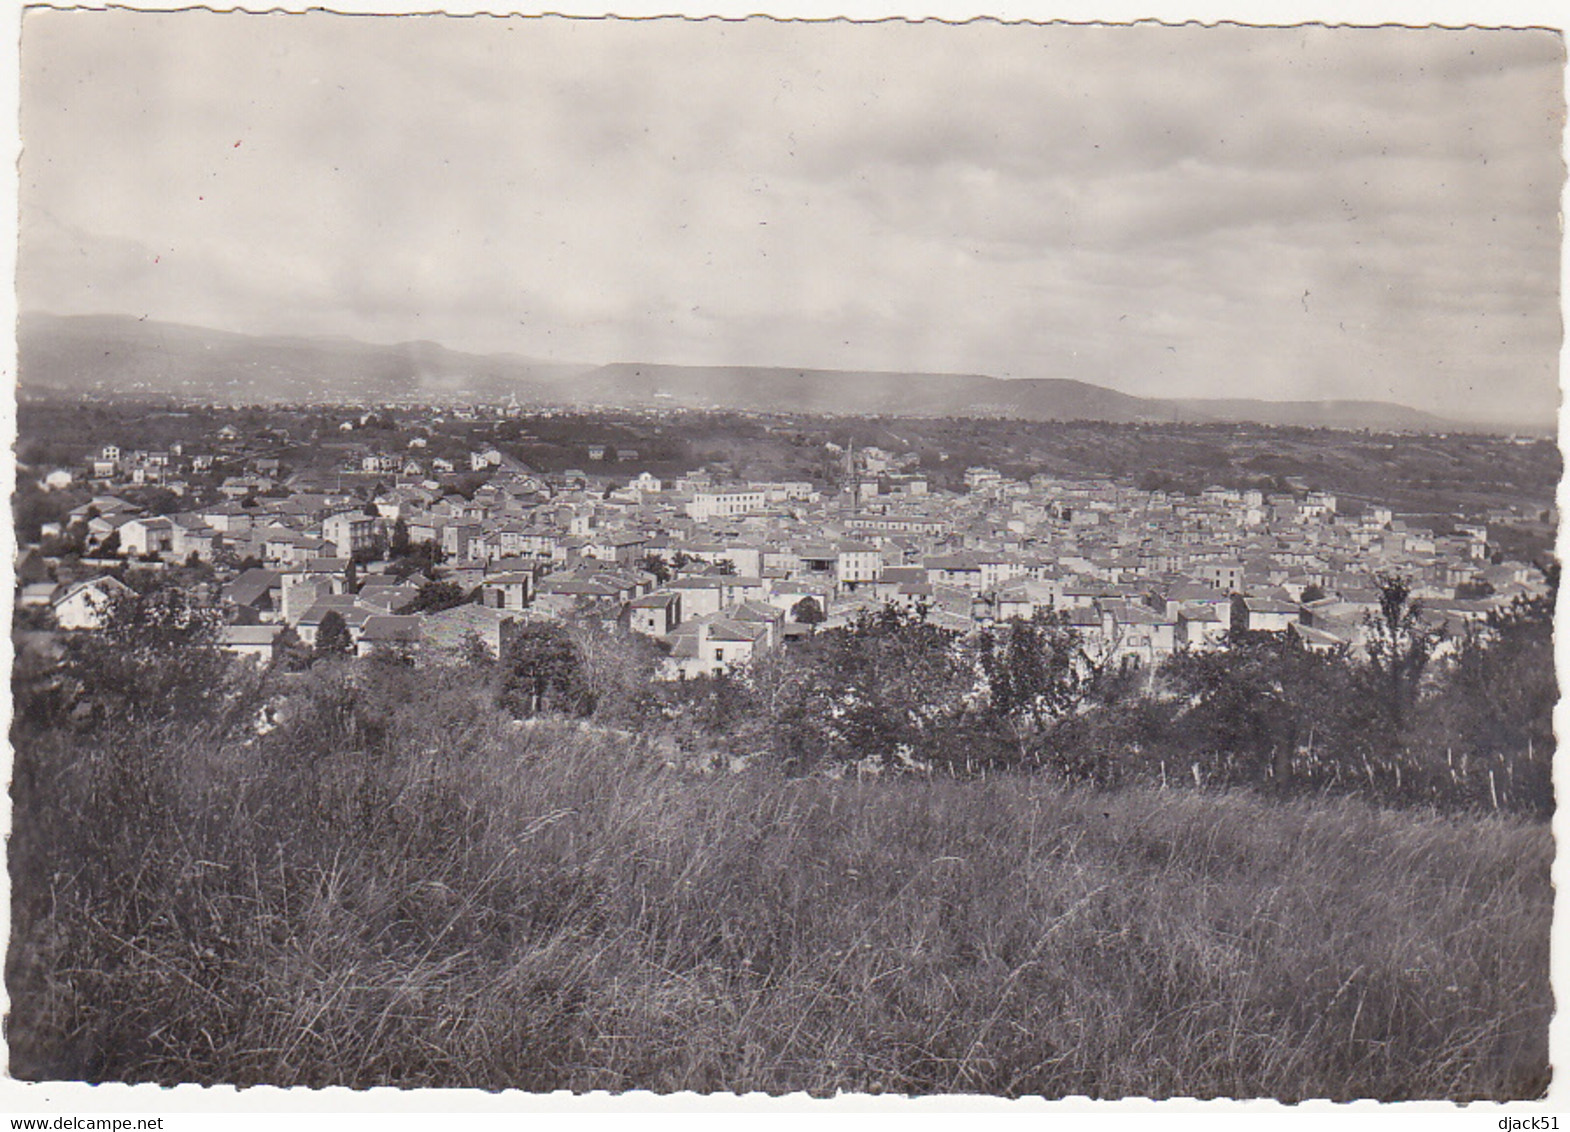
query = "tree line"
x=1414 y=720
x=1408 y=722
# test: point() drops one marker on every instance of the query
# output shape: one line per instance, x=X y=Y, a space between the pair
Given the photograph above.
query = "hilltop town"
x=416 y=544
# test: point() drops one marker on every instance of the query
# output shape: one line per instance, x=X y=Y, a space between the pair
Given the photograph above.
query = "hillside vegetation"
x=398 y=883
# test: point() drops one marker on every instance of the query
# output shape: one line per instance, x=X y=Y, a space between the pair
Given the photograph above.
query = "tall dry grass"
x=417 y=892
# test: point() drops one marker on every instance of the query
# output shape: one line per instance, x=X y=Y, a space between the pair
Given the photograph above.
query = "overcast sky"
x=1292 y=213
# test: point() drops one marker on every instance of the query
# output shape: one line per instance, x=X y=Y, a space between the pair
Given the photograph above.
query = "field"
x=470 y=901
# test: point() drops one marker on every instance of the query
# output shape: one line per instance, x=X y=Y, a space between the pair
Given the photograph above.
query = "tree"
x=808 y=612
x=1037 y=672
x=890 y=687
x=399 y=546
x=470 y=482
x=32 y=506
x=1239 y=716
x=155 y=659
x=110 y=545
x=614 y=668
x=376 y=550
x=655 y=564
x=68 y=543
x=332 y=636
x=420 y=557
x=1312 y=592
x=542 y=671
x=290 y=653
x=1493 y=710
x=680 y=561
x=1323 y=725
x=160 y=500
x=1399 y=648
x=474 y=652
x=432 y=597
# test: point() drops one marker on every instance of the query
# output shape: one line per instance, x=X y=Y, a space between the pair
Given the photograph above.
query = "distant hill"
x=115 y=355
x=776 y=389
x=1316 y=414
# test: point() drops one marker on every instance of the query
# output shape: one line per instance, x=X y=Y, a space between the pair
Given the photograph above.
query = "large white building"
x=858 y=562
x=726 y=504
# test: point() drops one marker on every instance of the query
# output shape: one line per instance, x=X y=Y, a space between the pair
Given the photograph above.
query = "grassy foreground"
x=547 y=907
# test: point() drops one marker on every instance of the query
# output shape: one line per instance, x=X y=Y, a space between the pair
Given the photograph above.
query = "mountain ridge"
x=120 y=355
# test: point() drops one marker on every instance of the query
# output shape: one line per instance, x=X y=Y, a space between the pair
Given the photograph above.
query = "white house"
x=85 y=604
x=145 y=536
x=1270 y=615
x=512 y=589
x=710 y=645
x=349 y=531
x=654 y=615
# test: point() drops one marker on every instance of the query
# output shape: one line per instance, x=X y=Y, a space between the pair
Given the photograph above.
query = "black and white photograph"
x=808 y=558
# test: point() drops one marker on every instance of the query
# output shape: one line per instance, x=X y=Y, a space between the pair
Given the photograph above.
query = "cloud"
x=1146 y=207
